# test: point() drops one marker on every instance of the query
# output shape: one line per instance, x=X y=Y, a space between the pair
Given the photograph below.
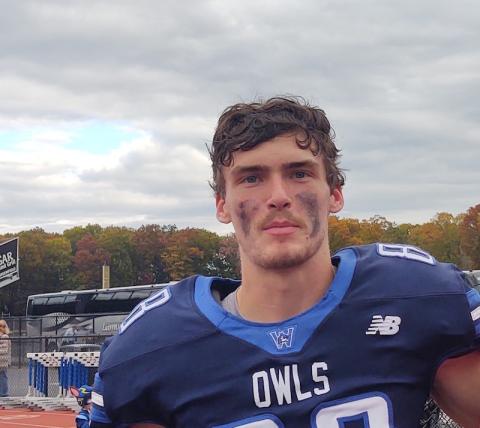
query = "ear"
x=223 y=215
x=336 y=200
x=74 y=391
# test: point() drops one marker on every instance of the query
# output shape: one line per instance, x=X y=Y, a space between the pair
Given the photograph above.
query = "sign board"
x=9 y=262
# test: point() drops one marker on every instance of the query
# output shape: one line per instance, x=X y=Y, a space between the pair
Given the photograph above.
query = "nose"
x=279 y=195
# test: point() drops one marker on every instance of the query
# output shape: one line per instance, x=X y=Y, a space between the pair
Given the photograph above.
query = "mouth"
x=280 y=228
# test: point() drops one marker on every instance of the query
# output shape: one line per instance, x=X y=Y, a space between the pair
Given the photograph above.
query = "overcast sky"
x=106 y=106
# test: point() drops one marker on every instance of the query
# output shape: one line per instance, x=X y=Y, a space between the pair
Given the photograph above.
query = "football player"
x=357 y=340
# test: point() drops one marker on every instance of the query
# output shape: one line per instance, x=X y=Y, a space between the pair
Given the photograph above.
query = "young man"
x=304 y=340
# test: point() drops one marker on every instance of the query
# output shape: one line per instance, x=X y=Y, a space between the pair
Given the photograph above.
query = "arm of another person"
x=456 y=389
x=4 y=351
x=4 y=344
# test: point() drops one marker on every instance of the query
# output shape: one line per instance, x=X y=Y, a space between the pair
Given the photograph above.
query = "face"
x=278 y=200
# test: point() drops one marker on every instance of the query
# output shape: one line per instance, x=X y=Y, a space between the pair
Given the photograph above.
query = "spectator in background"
x=84 y=400
x=5 y=357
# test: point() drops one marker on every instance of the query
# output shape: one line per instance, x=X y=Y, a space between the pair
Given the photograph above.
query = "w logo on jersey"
x=387 y=326
x=283 y=339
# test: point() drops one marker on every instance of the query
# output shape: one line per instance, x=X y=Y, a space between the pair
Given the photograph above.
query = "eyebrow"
x=240 y=170
x=302 y=164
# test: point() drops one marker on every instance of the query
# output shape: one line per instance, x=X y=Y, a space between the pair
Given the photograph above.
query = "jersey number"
x=369 y=410
x=158 y=299
x=405 y=252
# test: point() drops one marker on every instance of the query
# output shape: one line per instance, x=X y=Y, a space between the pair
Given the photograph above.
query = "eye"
x=251 y=179
x=299 y=174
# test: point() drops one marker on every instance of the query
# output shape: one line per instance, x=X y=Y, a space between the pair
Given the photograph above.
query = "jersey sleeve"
x=127 y=374
x=473 y=298
x=99 y=417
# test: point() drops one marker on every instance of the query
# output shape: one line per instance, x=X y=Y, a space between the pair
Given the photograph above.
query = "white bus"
x=473 y=277
x=68 y=316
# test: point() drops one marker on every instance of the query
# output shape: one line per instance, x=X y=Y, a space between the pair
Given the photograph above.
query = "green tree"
x=78 y=232
x=117 y=242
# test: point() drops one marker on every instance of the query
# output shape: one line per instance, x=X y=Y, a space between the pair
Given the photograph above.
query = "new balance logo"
x=384 y=326
x=283 y=339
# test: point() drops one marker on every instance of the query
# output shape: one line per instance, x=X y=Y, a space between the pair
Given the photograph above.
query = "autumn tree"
x=190 y=251
x=440 y=237
x=343 y=232
x=470 y=237
x=45 y=266
x=373 y=230
x=149 y=243
x=88 y=262
x=117 y=242
x=398 y=234
x=228 y=259
x=78 y=232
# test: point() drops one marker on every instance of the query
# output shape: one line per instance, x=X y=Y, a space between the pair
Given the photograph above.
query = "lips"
x=280 y=228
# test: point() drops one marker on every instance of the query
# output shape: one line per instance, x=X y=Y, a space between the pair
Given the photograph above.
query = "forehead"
x=277 y=152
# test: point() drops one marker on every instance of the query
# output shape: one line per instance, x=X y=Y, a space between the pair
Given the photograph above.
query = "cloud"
x=398 y=82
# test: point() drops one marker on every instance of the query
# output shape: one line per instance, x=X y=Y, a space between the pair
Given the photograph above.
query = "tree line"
x=154 y=254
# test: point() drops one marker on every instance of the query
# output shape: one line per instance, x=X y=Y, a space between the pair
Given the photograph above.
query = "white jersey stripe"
x=476 y=314
x=97 y=399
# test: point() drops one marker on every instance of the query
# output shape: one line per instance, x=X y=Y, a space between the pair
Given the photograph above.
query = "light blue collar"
x=285 y=337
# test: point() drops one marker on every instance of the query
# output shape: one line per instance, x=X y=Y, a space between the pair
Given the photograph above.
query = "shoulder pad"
x=164 y=319
x=405 y=270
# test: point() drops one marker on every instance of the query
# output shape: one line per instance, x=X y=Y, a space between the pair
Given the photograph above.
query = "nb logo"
x=387 y=326
x=283 y=339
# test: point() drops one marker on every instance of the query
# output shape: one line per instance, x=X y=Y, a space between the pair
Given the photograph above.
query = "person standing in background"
x=5 y=357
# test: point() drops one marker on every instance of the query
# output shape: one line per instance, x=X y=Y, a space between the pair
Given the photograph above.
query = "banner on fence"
x=9 y=271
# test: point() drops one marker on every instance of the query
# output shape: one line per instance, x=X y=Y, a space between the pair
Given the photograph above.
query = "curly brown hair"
x=244 y=126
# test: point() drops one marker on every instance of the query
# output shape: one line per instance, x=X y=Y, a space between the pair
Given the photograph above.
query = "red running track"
x=24 y=418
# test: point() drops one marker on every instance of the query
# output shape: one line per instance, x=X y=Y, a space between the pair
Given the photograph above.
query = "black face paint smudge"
x=245 y=213
x=310 y=202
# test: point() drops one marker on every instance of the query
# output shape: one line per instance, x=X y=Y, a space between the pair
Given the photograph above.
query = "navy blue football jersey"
x=363 y=356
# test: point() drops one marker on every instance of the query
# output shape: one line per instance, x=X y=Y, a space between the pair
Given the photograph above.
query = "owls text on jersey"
x=364 y=356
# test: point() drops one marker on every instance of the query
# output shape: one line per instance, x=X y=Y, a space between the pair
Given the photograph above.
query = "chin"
x=286 y=260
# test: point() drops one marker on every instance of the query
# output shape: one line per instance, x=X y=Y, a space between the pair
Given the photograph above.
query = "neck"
x=273 y=295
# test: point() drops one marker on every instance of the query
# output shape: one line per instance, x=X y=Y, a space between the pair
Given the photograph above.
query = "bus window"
x=98 y=303
x=54 y=304
x=111 y=301
x=37 y=305
x=70 y=304
x=90 y=302
x=121 y=302
x=139 y=295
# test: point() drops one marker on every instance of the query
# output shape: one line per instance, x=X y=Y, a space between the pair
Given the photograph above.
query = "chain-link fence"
x=433 y=417
x=50 y=334
x=18 y=370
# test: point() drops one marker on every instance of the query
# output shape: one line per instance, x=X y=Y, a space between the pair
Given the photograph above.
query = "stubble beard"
x=288 y=258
